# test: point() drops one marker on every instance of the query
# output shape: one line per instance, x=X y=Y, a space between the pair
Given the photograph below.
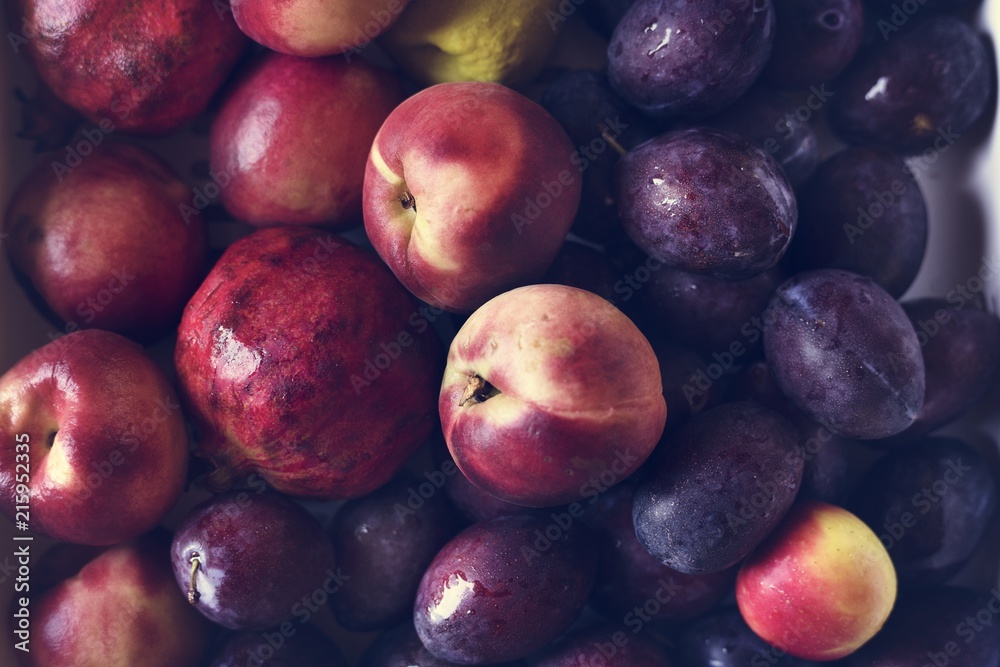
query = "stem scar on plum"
x=408 y=201
x=477 y=390
x=193 y=595
x=51 y=440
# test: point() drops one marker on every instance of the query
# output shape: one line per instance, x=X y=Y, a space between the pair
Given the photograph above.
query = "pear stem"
x=193 y=595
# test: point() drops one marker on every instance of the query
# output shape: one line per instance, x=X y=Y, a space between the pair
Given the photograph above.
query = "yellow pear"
x=505 y=41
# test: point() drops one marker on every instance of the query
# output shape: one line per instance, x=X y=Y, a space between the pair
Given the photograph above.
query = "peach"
x=550 y=394
x=820 y=586
x=470 y=190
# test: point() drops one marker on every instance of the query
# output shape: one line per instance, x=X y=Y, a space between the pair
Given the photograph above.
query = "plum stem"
x=193 y=595
x=409 y=201
x=477 y=390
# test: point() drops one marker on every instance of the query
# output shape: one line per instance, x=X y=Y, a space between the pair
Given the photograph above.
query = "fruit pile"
x=616 y=373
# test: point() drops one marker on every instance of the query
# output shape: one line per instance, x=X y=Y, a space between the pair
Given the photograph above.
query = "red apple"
x=106 y=245
x=470 y=191
x=92 y=425
x=121 y=609
x=316 y=27
x=142 y=66
x=290 y=142
x=550 y=394
x=820 y=586
x=302 y=359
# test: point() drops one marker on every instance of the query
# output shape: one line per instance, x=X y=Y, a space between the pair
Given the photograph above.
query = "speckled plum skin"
x=673 y=58
x=846 y=354
x=863 y=211
x=160 y=69
x=289 y=356
x=706 y=201
x=262 y=559
x=496 y=592
x=721 y=485
x=592 y=645
x=314 y=28
x=108 y=448
x=820 y=586
x=573 y=392
x=891 y=97
x=384 y=542
x=628 y=575
x=291 y=139
x=106 y=245
x=470 y=191
x=120 y=610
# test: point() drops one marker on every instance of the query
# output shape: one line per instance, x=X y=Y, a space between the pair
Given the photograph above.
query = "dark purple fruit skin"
x=401 y=647
x=680 y=369
x=723 y=639
x=842 y=349
x=707 y=313
x=582 y=266
x=384 y=542
x=628 y=577
x=961 y=352
x=930 y=503
x=863 y=212
x=706 y=201
x=497 y=592
x=938 y=80
x=306 y=647
x=827 y=473
x=261 y=553
x=770 y=121
x=607 y=645
x=925 y=624
x=814 y=41
x=719 y=486
x=591 y=113
x=670 y=58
